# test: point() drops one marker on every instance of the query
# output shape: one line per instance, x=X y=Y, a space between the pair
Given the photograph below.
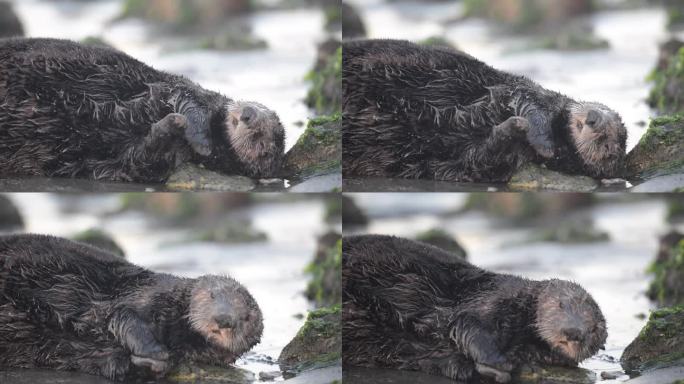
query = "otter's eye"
x=211 y=294
x=560 y=305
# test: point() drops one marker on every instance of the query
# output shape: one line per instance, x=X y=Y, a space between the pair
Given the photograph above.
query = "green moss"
x=100 y=239
x=667 y=287
x=325 y=286
x=317 y=344
x=659 y=344
x=333 y=16
x=325 y=92
x=437 y=41
x=656 y=135
x=333 y=209
x=133 y=8
x=474 y=8
x=232 y=232
x=675 y=210
x=667 y=94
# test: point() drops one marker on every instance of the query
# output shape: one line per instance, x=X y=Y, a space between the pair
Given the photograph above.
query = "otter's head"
x=569 y=320
x=225 y=314
x=600 y=138
x=257 y=138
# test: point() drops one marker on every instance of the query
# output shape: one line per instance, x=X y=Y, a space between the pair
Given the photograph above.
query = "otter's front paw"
x=515 y=126
x=156 y=366
x=495 y=366
x=501 y=376
x=173 y=124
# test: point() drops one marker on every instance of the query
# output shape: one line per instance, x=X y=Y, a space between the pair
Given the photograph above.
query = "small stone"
x=615 y=181
x=271 y=181
x=613 y=375
x=269 y=376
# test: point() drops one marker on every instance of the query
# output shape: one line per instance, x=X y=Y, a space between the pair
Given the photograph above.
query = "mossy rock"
x=185 y=13
x=441 y=239
x=533 y=177
x=317 y=344
x=527 y=15
x=527 y=207
x=96 y=41
x=190 y=177
x=99 y=239
x=667 y=94
x=554 y=375
x=333 y=209
x=191 y=374
x=325 y=286
x=352 y=214
x=325 y=94
x=675 y=208
x=571 y=232
x=318 y=151
x=659 y=344
x=232 y=232
x=10 y=218
x=660 y=150
x=437 y=41
x=667 y=287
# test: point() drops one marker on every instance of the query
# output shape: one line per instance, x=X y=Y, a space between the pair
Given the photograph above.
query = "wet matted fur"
x=69 y=306
x=71 y=110
x=408 y=305
x=411 y=111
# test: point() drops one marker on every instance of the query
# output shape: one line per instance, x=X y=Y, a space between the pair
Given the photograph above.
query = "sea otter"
x=71 y=110
x=409 y=305
x=69 y=306
x=411 y=111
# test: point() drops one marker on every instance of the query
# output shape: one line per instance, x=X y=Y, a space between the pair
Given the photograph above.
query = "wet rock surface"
x=660 y=343
x=207 y=374
x=554 y=375
x=660 y=150
x=318 y=343
x=318 y=151
x=189 y=177
x=534 y=177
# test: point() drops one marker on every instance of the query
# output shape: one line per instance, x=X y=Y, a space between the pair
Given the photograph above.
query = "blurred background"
x=593 y=50
x=281 y=53
x=623 y=249
x=284 y=249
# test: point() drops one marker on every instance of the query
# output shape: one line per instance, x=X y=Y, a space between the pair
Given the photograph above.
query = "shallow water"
x=272 y=76
x=271 y=270
x=615 y=77
x=613 y=271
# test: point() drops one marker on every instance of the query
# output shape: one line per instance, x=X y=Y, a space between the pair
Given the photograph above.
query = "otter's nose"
x=225 y=321
x=248 y=114
x=572 y=334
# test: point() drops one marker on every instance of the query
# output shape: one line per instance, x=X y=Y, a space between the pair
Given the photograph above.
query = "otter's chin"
x=256 y=137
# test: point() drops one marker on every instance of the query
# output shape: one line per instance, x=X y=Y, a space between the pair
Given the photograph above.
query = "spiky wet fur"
x=69 y=110
x=411 y=111
x=408 y=305
x=68 y=306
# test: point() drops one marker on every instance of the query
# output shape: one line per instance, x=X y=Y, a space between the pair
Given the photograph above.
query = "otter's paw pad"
x=515 y=126
x=501 y=376
x=171 y=124
x=156 y=366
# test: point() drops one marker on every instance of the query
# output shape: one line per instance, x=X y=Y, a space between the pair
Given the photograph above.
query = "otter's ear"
x=593 y=118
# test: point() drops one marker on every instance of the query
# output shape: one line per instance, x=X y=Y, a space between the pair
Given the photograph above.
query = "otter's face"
x=570 y=321
x=225 y=314
x=257 y=137
x=600 y=138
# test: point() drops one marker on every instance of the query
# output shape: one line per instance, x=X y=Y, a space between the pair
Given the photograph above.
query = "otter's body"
x=69 y=110
x=433 y=112
x=69 y=306
x=408 y=305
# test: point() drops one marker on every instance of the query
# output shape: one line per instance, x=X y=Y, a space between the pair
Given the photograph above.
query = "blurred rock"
x=232 y=37
x=667 y=287
x=660 y=343
x=231 y=232
x=667 y=94
x=441 y=239
x=528 y=14
x=317 y=344
x=660 y=150
x=186 y=12
x=185 y=208
x=352 y=215
x=333 y=209
x=437 y=41
x=533 y=177
x=675 y=208
x=571 y=232
x=190 y=177
x=325 y=286
x=325 y=94
x=675 y=14
x=96 y=41
x=10 y=218
x=317 y=151
x=352 y=24
x=10 y=25
x=554 y=375
x=528 y=207
x=100 y=239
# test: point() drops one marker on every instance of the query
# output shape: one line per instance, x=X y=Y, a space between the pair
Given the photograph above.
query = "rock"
x=660 y=150
x=554 y=375
x=333 y=209
x=184 y=208
x=231 y=232
x=352 y=24
x=10 y=25
x=269 y=376
x=667 y=287
x=325 y=94
x=317 y=344
x=232 y=37
x=100 y=239
x=352 y=215
x=318 y=150
x=525 y=15
x=437 y=41
x=325 y=286
x=327 y=375
x=612 y=375
x=524 y=208
x=660 y=343
x=675 y=14
x=10 y=218
x=96 y=41
x=571 y=232
x=189 y=177
x=670 y=375
x=186 y=12
x=186 y=373
x=667 y=94
x=675 y=209
x=327 y=182
x=441 y=239
x=574 y=38
x=532 y=177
